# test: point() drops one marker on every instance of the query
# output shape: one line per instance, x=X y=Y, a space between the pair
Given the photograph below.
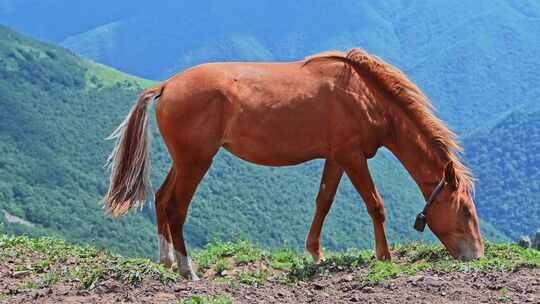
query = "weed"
x=243 y=251
x=284 y=259
x=221 y=265
x=258 y=277
x=219 y=299
x=29 y=285
x=303 y=269
x=381 y=271
x=232 y=282
x=49 y=279
x=503 y=297
x=417 y=251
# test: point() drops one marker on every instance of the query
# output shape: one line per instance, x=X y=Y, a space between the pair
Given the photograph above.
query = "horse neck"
x=416 y=154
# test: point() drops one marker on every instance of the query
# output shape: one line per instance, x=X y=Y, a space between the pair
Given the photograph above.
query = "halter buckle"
x=420 y=223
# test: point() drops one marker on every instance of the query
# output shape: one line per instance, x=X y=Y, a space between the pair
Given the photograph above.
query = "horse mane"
x=413 y=102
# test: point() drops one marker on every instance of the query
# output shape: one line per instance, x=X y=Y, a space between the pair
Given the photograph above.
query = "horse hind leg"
x=162 y=200
x=188 y=177
x=331 y=177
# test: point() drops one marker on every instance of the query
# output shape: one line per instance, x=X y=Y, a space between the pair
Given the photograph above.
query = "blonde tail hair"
x=129 y=162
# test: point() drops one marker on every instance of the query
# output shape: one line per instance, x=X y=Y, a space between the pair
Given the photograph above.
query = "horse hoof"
x=190 y=276
x=384 y=257
x=317 y=258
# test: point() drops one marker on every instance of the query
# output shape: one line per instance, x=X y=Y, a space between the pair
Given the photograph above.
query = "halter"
x=420 y=223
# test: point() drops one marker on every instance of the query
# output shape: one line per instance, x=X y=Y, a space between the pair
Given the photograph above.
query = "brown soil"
x=522 y=286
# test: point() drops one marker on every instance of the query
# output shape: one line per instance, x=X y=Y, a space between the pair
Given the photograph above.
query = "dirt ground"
x=522 y=286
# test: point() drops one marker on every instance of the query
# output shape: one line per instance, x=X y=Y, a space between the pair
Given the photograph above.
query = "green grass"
x=243 y=252
x=100 y=76
x=416 y=257
x=257 y=277
x=284 y=259
x=503 y=295
x=219 y=299
x=221 y=265
x=46 y=259
x=410 y=259
x=381 y=271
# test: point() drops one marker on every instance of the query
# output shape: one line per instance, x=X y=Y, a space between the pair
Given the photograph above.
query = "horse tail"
x=129 y=162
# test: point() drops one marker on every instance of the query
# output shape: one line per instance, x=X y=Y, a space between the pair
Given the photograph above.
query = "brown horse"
x=336 y=106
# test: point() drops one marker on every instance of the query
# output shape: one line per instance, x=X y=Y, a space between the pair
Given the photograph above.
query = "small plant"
x=258 y=277
x=284 y=259
x=49 y=279
x=3 y=296
x=346 y=261
x=221 y=265
x=219 y=299
x=243 y=252
x=381 y=271
x=304 y=269
x=417 y=251
x=88 y=276
x=231 y=281
x=29 y=285
x=503 y=297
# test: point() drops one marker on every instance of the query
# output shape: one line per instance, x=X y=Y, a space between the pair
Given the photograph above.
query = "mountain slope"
x=54 y=111
x=506 y=158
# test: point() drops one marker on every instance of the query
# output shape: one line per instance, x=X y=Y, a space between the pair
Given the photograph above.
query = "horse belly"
x=277 y=139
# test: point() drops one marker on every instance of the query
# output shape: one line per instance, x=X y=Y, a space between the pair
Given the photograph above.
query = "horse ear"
x=450 y=175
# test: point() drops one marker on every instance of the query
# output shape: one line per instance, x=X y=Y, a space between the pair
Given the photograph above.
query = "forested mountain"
x=506 y=159
x=55 y=110
x=475 y=59
x=54 y=113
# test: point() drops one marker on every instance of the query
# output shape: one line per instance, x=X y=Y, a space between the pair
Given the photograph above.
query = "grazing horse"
x=338 y=106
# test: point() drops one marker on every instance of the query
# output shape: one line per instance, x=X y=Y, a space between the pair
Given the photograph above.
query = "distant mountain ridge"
x=54 y=112
x=476 y=59
x=506 y=159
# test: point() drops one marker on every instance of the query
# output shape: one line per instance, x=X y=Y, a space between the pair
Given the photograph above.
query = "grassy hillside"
x=506 y=158
x=49 y=268
x=55 y=110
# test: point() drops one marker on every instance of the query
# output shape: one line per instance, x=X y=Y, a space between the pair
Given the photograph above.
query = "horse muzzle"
x=470 y=250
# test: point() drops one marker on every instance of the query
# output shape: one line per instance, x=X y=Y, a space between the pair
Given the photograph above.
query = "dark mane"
x=413 y=102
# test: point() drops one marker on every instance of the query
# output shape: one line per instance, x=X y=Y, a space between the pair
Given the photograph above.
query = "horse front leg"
x=357 y=170
x=331 y=177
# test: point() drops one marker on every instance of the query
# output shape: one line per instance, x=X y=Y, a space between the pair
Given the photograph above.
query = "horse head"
x=451 y=214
